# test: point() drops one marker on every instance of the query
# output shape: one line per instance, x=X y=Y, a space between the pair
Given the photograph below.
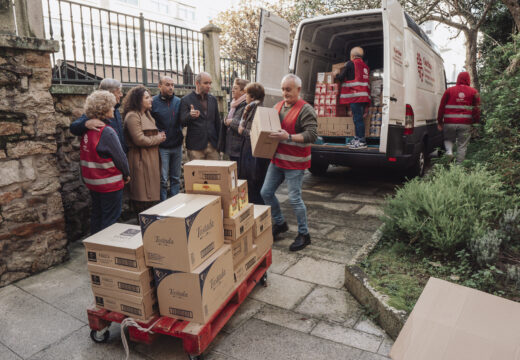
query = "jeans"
x=459 y=133
x=171 y=162
x=106 y=209
x=357 y=113
x=273 y=179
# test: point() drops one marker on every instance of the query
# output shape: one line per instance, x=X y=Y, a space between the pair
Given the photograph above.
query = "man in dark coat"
x=200 y=114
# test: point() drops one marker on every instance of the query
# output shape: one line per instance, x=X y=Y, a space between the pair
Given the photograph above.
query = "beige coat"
x=143 y=141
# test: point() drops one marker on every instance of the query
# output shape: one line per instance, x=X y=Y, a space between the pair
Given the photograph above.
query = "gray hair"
x=109 y=84
x=198 y=77
x=295 y=78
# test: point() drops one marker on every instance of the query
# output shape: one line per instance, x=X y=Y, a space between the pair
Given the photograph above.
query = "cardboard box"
x=336 y=126
x=245 y=267
x=237 y=225
x=210 y=176
x=130 y=282
x=196 y=295
x=118 y=246
x=265 y=122
x=182 y=232
x=243 y=195
x=325 y=78
x=230 y=203
x=241 y=246
x=450 y=321
x=137 y=307
x=262 y=214
x=338 y=66
x=263 y=242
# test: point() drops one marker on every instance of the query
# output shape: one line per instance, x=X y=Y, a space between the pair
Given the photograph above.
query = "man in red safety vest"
x=459 y=108
x=292 y=157
x=355 y=93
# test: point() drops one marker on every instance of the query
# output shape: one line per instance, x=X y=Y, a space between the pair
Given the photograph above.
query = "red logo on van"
x=420 y=69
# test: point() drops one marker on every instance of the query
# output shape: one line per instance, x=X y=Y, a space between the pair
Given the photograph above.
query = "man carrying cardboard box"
x=292 y=157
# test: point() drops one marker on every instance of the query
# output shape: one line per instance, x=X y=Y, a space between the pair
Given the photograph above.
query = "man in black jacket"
x=199 y=112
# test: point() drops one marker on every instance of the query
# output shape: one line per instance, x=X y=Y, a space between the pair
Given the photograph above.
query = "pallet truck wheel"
x=99 y=336
x=263 y=280
x=196 y=357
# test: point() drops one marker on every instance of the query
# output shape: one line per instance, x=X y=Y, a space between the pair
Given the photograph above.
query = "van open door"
x=272 y=57
x=393 y=80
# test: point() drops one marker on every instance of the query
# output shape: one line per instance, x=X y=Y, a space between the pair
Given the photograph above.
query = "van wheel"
x=420 y=164
x=318 y=168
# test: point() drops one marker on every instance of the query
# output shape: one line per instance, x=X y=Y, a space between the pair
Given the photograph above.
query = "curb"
x=356 y=281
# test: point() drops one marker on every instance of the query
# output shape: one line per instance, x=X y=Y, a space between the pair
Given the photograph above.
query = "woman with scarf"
x=232 y=139
x=251 y=168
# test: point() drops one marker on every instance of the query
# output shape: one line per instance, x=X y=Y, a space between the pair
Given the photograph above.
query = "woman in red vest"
x=104 y=166
x=292 y=157
x=355 y=93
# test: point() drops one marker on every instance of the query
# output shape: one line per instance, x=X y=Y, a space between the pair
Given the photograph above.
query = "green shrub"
x=443 y=212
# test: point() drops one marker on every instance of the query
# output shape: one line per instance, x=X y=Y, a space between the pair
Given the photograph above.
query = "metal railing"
x=230 y=69
x=96 y=43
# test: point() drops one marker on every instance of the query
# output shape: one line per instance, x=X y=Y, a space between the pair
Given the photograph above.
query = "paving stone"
x=78 y=259
x=371 y=356
x=259 y=340
x=282 y=291
x=246 y=310
x=282 y=198
x=318 y=271
x=7 y=354
x=386 y=346
x=312 y=194
x=350 y=236
x=79 y=345
x=282 y=260
x=326 y=216
x=347 y=336
x=33 y=324
x=330 y=250
x=337 y=206
x=77 y=302
x=53 y=284
x=217 y=356
x=332 y=305
x=370 y=210
x=359 y=198
x=286 y=318
x=316 y=229
x=366 y=325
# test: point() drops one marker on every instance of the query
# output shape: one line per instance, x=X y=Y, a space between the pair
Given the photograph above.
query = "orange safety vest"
x=99 y=174
x=357 y=90
x=291 y=155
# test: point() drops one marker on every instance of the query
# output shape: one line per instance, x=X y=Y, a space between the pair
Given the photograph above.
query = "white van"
x=412 y=72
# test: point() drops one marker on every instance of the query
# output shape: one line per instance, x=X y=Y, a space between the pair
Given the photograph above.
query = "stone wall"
x=32 y=224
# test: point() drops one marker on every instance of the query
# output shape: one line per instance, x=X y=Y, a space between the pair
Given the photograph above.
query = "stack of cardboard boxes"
x=189 y=253
x=120 y=279
x=332 y=117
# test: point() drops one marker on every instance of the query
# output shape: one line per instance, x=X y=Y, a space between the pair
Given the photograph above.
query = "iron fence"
x=96 y=43
x=230 y=69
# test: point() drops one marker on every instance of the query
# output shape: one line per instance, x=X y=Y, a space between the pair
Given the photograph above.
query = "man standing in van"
x=292 y=157
x=459 y=108
x=355 y=92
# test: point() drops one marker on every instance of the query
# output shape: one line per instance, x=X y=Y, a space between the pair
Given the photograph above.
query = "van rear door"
x=393 y=79
x=272 y=57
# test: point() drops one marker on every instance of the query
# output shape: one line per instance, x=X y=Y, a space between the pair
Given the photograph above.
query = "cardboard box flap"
x=451 y=321
x=260 y=209
x=120 y=237
x=267 y=119
x=181 y=205
x=121 y=273
x=210 y=163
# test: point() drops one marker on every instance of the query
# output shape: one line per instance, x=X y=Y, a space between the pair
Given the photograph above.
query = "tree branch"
x=448 y=22
x=484 y=14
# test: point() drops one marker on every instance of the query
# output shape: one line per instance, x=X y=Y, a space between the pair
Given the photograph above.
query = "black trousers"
x=106 y=209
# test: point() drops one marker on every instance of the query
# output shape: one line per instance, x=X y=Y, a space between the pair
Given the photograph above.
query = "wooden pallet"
x=195 y=337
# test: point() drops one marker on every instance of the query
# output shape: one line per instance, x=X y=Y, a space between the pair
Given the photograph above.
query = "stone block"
x=368 y=326
x=246 y=311
x=3 y=155
x=347 y=336
x=10 y=128
x=26 y=148
x=282 y=260
x=282 y=291
x=318 y=271
x=8 y=196
x=45 y=186
x=286 y=318
x=14 y=171
x=37 y=60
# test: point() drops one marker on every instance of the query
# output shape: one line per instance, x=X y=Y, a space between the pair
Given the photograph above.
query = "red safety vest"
x=291 y=155
x=357 y=90
x=459 y=107
x=99 y=174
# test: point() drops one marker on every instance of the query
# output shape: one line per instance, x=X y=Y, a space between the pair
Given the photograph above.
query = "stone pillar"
x=32 y=236
x=212 y=55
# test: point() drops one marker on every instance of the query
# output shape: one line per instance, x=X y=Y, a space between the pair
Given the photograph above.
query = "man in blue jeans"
x=165 y=111
x=292 y=157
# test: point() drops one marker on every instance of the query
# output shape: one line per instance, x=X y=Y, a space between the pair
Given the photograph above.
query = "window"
x=161 y=6
x=412 y=25
x=130 y=2
x=185 y=12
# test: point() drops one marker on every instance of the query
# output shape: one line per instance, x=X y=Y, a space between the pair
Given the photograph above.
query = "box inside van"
x=397 y=52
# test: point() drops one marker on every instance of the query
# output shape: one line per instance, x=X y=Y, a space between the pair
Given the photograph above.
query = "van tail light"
x=408 y=120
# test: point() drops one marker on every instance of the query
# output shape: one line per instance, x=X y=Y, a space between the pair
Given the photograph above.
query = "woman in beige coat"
x=143 y=140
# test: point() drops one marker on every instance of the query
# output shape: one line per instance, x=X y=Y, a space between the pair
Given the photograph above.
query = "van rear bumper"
x=360 y=158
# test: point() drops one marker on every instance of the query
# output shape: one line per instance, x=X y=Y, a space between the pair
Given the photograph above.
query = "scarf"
x=234 y=104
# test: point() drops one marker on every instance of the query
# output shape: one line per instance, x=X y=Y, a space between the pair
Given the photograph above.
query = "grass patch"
x=401 y=274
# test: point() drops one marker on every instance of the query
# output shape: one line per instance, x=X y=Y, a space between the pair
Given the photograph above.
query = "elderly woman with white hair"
x=291 y=159
x=104 y=167
x=84 y=123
